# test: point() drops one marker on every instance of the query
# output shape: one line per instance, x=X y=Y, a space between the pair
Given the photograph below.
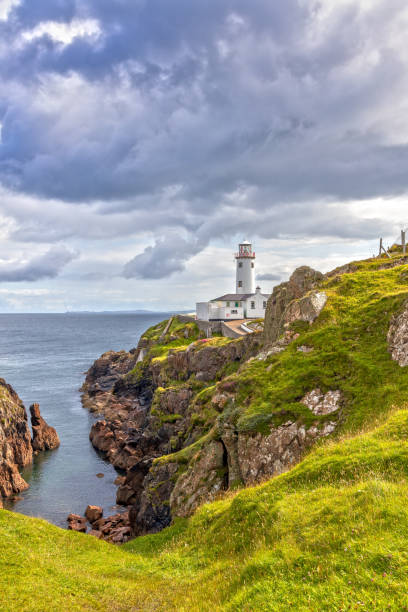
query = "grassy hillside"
x=349 y=342
x=331 y=534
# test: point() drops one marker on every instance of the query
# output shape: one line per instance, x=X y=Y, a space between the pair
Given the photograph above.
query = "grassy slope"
x=350 y=353
x=331 y=534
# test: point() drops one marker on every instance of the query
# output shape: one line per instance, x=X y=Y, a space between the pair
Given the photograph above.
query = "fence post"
x=403 y=242
x=381 y=247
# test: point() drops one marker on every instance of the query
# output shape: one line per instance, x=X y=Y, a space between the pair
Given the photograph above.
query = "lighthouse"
x=245 y=275
x=247 y=302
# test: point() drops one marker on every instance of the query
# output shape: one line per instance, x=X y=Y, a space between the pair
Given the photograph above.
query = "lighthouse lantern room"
x=245 y=260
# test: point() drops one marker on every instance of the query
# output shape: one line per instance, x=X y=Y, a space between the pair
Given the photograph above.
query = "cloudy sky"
x=140 y=140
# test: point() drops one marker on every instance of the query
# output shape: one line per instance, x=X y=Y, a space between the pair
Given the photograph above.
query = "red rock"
x=93 y=513
x=44 y=436
x=78 y=525
x=100 y=523
x=106 y=528
x=120 y=480
x=96 y=533
x=15 y=441
x=74 y=517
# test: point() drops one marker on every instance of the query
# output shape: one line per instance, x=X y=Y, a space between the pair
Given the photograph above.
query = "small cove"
x=45 y=357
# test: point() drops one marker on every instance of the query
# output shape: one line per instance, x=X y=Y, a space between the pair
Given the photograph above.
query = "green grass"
x=350 y=354
x=331 y=534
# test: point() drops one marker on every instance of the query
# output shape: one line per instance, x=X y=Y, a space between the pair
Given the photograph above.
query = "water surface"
x=44 y=357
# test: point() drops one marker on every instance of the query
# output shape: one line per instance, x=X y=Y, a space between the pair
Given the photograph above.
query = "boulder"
x=93 y=513
x=96 y=533
x=74 y=518
x=44 y=436
x=79 y=525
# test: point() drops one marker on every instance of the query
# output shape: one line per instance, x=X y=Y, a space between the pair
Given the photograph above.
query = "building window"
x=252 y=305
x=252 y=264
x=264 y=304
x=236 y=304
x=239 y=283
x=234 y=311
x=228 y=304
x=240 y=264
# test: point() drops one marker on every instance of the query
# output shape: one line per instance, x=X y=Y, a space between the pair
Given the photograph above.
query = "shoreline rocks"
x=16 y=445
x=44 y=437
x=15 y=441
x=145 y=417
x=114 y=529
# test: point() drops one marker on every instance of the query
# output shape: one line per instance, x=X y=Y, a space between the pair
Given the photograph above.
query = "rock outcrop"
x=114 y=529
x=170 y=422
x=15 y=441
x=398 y=337
x=250 y=458
x=294 y=300
x=16 y=445
x=205 y=477
x=148 y=413
x=44 y=437
x=323 y=403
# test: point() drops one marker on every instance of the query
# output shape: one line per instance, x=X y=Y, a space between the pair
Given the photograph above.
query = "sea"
x=45 y=357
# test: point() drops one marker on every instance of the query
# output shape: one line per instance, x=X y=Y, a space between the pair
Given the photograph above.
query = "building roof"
x=237 y=297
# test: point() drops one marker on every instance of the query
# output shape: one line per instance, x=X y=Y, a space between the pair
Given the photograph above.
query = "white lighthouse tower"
x=245 y=259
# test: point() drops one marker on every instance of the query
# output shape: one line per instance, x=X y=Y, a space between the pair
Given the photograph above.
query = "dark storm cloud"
x=48 y=265
x=177 y=108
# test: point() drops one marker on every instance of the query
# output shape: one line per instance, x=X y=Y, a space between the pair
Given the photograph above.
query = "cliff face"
x=186 y=418
x=289 y=302
x=16 y=445
x=15 y=441
x=171 y=410
x=151 y=411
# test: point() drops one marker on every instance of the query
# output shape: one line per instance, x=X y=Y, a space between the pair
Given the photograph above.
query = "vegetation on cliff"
x=330 y=533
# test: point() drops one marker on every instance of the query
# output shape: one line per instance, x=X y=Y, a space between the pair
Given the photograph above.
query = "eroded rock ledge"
x=16 y=446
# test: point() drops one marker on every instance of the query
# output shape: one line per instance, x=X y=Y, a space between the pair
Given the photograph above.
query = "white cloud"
x=5 y=8
x=65 y=32
x=25 y=292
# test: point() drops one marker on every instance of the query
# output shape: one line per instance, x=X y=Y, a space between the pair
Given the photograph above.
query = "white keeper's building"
x=247 y=303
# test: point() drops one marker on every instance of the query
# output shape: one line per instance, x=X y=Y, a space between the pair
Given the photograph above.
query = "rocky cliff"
x=172 y=407
x=185 y=418
x=152 y=408
x=15 y=441
x=16 y=445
